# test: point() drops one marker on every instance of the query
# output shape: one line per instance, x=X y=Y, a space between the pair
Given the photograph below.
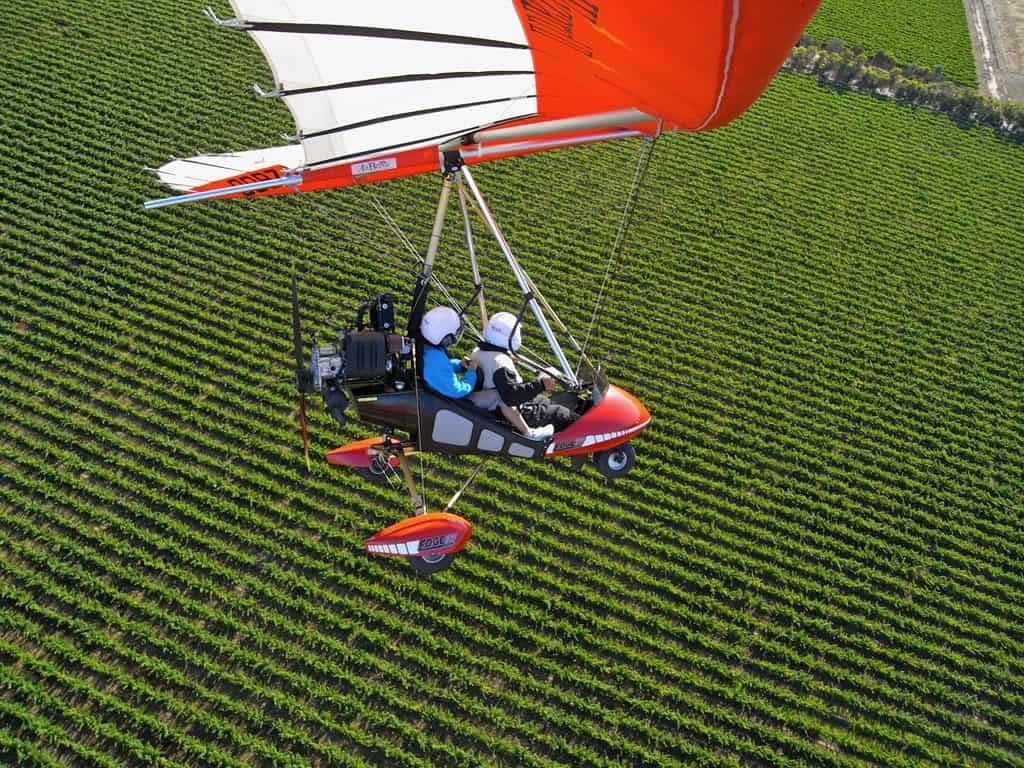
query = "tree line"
x=837 y=64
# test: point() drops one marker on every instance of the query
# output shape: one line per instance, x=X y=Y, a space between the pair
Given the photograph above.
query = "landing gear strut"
x=429 y=541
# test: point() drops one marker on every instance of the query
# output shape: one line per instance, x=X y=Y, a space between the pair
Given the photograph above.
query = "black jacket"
x=512 y=392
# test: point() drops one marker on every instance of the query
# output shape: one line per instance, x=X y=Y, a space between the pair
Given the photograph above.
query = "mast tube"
x=477 y=151
x=419 y=292
x=435 y=233
x=523 y=280
x=472 y=253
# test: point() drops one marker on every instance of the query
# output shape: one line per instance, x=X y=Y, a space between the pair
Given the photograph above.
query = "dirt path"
x=997 y=32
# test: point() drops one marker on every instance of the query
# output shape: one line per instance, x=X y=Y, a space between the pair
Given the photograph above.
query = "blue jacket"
x=440 y=373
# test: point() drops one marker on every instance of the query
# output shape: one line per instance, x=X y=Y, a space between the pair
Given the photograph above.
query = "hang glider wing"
x=378 y=89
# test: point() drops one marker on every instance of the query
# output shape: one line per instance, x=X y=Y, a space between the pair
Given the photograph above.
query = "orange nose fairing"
x=618 y=418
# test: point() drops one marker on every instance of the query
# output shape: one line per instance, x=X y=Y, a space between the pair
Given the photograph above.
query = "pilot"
x=504 y=387
x=441 y=328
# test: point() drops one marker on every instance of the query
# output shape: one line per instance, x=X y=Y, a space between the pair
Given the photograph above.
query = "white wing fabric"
x=183 y=175
x=372 y=77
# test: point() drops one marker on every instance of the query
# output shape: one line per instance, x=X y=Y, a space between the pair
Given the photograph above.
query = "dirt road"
x=997 y=32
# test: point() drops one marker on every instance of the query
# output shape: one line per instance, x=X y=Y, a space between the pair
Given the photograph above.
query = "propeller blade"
x=305 y=430
x=301 y=374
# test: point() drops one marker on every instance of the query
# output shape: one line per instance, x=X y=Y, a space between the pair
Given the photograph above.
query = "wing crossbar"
x=285 y=181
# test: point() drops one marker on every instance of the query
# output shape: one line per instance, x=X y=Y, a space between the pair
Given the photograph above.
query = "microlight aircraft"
x=393 y=88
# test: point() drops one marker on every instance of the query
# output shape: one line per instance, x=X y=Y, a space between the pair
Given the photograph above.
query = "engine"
x=369 y=358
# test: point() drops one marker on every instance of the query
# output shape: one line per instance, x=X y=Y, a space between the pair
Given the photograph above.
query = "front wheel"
x=428 y=564
x=615 y=462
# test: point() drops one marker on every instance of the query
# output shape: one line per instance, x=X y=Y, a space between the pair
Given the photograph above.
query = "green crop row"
x=817 y=560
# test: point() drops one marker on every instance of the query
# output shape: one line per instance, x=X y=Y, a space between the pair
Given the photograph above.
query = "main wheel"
x=428 y=564
x=615 y=462
x=378 y=471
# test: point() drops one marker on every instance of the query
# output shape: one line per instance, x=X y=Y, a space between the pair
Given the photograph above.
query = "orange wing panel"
x=668 y=59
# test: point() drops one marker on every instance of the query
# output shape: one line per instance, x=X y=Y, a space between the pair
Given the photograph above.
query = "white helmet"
x=498 y=328
x=441 y=326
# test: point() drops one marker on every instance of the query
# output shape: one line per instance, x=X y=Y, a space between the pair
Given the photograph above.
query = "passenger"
x=503 y=386
x=441 y=328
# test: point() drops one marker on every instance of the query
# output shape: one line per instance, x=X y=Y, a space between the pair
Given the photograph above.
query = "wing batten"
x=415 y=113
x=412 y=35
x=726 y=64
x=391 y=73
x=403 y=79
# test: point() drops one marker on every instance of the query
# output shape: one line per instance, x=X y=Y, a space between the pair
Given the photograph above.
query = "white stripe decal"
x=594 y=439
x=728 y=62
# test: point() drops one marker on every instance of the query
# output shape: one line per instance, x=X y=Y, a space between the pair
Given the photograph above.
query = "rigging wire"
x=601 y=201
x=539 y=364
x=382 y=210
x=391 y=222
x=643 y=162
x=597 y=203
x=380 y=252
x=474 y=331
x=404 y=239
x=419 y=428
x=524 y=350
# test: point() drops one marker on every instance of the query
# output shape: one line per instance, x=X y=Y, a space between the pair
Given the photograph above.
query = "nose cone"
x=619 y=417
x=629 y=409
